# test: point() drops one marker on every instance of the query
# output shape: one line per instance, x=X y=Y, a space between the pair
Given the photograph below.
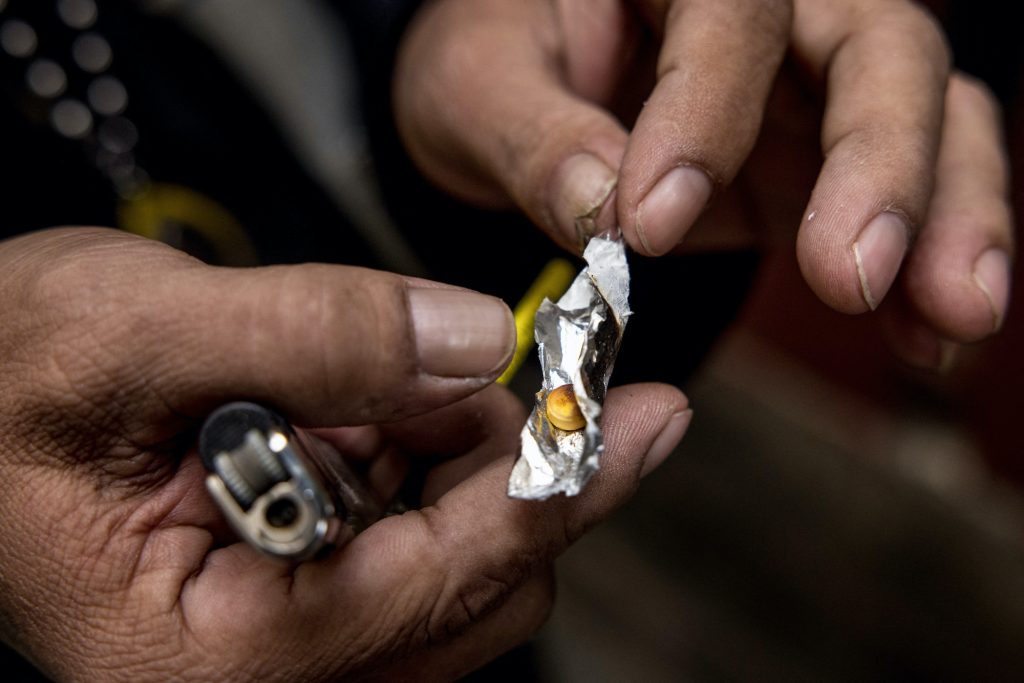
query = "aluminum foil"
x=578 y=339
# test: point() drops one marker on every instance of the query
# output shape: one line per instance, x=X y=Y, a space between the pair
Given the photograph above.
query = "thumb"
x=145 y=330
x=336 y=345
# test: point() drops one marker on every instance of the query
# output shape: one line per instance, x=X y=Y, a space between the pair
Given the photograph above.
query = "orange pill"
x=562 y=410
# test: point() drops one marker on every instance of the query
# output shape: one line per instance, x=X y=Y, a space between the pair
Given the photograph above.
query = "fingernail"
x=879 y=251
x=992 y=275
x=461 y=333
x=601 y=221
x=582 y=187
x=666 y=442
x=671 y=207
x=919 y=347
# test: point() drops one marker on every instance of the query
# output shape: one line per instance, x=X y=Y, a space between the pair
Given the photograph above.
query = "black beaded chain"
x=65 y=66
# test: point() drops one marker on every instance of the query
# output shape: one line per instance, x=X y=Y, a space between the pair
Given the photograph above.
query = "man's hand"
x=117 y=566
x=594 y=113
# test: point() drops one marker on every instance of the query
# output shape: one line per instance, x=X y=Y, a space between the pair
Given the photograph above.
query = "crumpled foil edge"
x=578 y=339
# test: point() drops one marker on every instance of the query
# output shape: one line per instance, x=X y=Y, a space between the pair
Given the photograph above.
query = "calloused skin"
x=771 y=118
x=117 y=566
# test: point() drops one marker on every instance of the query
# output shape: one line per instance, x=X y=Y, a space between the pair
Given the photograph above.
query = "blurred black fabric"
x=198 y=127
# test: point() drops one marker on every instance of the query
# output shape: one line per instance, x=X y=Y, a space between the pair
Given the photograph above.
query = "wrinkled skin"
x=810 y=118
x=115 y=564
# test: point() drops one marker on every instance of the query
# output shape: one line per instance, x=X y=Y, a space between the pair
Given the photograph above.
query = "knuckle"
x=464 y=602
x=906 y=29
x=775 y=16
x=464 y=592
x=344 y=331
x=48 y=305
x=70 y=334
x=572 y=528
x=928 y=33
x=362 y=334
x=539 y=599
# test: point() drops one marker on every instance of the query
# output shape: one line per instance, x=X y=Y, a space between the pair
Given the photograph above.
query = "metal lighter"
x=285 y=491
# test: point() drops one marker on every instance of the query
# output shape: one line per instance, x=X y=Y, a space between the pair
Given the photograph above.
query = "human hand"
x=524 y=102
x=117 y=566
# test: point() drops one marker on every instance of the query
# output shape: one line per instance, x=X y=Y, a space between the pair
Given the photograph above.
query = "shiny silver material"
x=287 y=493
x=578 y=340
x=292 y=517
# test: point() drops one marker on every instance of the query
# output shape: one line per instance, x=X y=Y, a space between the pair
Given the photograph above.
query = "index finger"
x=715 y=71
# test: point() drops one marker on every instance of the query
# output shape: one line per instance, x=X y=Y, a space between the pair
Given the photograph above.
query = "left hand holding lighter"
x=116 y=562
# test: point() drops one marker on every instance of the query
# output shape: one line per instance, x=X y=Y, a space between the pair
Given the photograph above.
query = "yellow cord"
x=552 y=282
x=161 y=207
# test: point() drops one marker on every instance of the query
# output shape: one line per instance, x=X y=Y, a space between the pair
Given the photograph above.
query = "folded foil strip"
x=578 y=339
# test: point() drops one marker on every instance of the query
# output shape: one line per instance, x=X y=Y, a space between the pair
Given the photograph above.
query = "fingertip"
x=916 y=344
x=460 y=333
x=878 y=254
x=644 y=423
x=852 y=275
x=992 y=277
x=666 y=441
x=963 y=299
x=670 y=208
x=583 y=185
x=831 y=277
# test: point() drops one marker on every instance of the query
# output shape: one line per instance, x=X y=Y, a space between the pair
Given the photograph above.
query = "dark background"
x=831 y=516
